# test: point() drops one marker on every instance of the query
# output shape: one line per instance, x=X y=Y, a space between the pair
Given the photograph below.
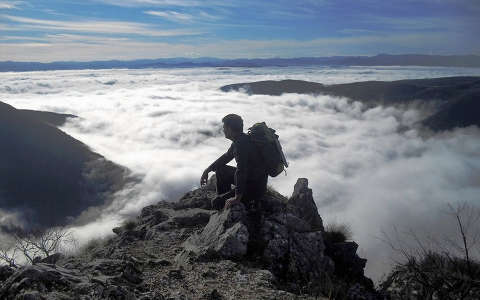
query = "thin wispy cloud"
x=399 y=23
x=49 y=39
x=79 y=49
x=17 y=38
x=143 y=3
x=64 y=38
x=209 y=17
x=10 y=4
x=244 y=29
x=99 y=27
x=171 y=16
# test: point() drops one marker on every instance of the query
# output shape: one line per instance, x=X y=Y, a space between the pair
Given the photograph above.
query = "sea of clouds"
x=165 y=126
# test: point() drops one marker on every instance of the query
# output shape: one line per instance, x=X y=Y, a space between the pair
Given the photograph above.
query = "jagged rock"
x=132 y=274
x=199 y=198
x=114 y=270
x=52 y=259
x=302 y=204
x=224 y=236
x=41 y=277
x=292 y=254
x=265 y=277
x=294 y=223
x=292 y=247
x=117 y=230
x=159 y=262
x=118 y=292
x=348 y=265
x=155 y=219
x=109 y=267
x=107 y=279
x=209 y=248
x=209 y=274
x=33 y=295
x=152 y=215
x=192 y=217
x=176 y=274
x=214 y=295
x=5 y=272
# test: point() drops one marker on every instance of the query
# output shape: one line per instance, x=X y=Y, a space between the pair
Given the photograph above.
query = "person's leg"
x=255 y=245
x=255 y=217
x=225 y=176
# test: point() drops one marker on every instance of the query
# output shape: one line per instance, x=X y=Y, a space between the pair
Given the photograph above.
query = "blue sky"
x=83 y=30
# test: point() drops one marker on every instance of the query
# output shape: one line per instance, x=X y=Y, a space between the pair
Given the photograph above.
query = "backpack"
x=269 y=147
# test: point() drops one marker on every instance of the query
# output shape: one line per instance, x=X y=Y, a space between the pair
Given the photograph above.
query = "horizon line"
x=234 y=59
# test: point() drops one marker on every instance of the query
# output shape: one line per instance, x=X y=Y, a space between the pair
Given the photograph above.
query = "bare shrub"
x=35 y=245
x=437 y=268
x=9 y=255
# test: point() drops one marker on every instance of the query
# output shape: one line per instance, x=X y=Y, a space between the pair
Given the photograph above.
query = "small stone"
x=176 y=274
x=5 y=272
x=209 y=274
x=159 y=262
x=213 y=295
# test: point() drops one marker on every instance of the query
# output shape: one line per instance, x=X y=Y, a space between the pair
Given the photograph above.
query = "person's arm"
x=222 y=160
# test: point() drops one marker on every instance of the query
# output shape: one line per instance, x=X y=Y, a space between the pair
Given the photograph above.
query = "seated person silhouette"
x=249 y=177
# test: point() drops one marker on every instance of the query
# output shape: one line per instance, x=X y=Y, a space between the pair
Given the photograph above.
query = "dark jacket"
x=251 y=171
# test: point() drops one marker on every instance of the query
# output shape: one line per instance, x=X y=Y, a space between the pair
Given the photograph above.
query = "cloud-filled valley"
x=165 y=126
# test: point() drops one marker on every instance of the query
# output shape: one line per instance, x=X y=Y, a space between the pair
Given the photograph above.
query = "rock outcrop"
x=185 y=250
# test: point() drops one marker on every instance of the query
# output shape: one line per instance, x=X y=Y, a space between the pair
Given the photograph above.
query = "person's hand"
x=231 y=202
x=204 y=178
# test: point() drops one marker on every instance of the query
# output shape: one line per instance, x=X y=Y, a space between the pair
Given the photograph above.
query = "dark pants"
x=226 y=177
x=251 y=199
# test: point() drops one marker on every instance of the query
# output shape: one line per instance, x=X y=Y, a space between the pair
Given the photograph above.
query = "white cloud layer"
x=165 y=125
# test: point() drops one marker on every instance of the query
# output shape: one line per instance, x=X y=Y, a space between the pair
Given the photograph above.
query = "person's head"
x=232 y=125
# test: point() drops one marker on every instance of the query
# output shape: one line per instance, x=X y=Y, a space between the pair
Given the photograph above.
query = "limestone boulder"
x=301 y=204
x=225 y=236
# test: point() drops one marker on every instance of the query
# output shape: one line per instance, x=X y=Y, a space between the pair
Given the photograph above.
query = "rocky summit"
x=186 y=250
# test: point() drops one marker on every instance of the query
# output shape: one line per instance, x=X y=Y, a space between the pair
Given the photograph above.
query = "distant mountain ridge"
x=454 y=99
x=472 y=61
x=47 y=176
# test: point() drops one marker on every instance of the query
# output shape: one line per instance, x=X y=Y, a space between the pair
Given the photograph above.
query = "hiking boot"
x=219 y=202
